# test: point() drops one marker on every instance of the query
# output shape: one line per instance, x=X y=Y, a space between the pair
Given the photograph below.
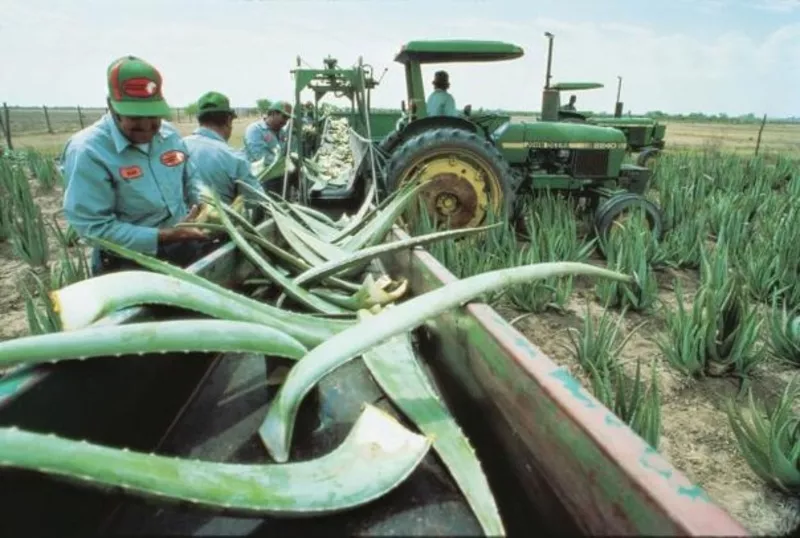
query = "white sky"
x=712 y=56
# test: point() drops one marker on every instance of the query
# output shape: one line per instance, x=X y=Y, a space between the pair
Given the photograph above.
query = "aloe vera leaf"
x=354 y=225
x=82 y=303
x=325 y=229
x=396 y=370
x=276 y=430
x=377 y=455
x=314 y=214
x=185 y=335
x=364 y=255
x=308 y=329
x=287 y=257
x=323 y=250
x=292 y=290
x=377 y=229
x=286 y=230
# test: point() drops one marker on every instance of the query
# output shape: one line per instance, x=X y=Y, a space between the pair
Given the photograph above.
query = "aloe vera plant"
x=277 y=428
x=769 y=440
x=377 y=455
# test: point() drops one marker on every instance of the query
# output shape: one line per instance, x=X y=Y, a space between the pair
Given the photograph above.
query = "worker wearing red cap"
x=128 y=177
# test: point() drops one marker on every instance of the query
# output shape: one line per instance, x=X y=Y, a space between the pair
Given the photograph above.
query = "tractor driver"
x=571 y=104
x=440 y=102
x=266 y=137
x=128 y=176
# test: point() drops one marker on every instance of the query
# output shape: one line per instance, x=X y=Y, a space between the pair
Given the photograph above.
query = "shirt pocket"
x=170 y=166
x=138 y=198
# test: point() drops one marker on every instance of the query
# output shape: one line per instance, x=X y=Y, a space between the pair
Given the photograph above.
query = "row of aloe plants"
x=25 y=175
x=727 y=218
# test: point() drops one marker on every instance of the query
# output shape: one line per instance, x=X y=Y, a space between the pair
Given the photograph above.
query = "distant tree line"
x=263 y=104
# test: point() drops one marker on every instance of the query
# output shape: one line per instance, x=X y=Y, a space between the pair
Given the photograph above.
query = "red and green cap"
x=214 y=102
x=283 y=107
x=134 y=88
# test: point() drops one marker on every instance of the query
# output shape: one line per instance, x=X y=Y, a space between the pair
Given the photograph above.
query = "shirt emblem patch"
x=172 y=158
x=130 y=172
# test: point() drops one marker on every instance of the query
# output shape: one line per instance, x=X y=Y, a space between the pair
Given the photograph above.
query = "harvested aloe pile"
x=311 y=266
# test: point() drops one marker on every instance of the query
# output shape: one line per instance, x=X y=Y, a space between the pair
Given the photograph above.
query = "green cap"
x=134 y=88
x=281 y=106
x=214 y=102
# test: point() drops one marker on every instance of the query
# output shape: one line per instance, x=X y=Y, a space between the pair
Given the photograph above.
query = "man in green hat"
x=128 y=177
x=218 y=165
x=265 y=137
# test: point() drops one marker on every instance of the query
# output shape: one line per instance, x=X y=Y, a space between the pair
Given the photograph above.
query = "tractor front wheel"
x=647 y=157
x=466 y=177
x=616 y=210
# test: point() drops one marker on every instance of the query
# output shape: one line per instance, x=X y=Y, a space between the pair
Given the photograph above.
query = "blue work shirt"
x=219 y=166
x=261 y=141
x=441 y=103
x=119 y=192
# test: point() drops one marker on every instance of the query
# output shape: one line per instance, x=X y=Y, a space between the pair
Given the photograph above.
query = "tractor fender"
x=397 y=137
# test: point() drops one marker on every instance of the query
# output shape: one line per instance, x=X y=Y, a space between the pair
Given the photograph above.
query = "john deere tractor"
x=644 y=135
x=474 y=164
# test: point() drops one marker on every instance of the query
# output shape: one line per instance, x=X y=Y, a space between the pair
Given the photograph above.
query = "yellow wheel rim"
x=461 y=188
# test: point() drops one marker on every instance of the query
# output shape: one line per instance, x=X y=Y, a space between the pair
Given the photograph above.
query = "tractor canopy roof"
x=457 y=50
x=573 y=86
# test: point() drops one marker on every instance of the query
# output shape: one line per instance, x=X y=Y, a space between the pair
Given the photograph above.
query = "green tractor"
x=644 y=135
x=477 y=164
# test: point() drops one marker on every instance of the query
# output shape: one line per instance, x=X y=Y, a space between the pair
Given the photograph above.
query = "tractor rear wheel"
x=467 y=178
x=616 y=209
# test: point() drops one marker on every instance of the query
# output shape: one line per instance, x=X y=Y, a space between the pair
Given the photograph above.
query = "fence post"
x=47 y=119
x=80 y=116
x=760 y=130
x=7 y=126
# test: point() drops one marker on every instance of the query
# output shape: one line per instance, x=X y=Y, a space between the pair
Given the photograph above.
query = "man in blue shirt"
x=218 y=165
x=128 y=176
x=265 y=137
x=440 y=102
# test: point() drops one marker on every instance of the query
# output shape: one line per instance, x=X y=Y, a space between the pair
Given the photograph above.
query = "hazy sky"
x=732 y=56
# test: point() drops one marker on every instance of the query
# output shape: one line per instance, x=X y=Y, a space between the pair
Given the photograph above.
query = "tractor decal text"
x=563 y=145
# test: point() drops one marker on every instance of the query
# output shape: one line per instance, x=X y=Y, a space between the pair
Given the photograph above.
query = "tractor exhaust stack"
x=618 y=104
x=551 y=99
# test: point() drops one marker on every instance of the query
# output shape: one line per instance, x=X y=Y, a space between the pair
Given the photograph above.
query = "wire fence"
x=19 y=123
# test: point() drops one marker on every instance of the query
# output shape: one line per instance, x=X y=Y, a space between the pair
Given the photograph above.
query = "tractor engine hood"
x=631 y=120
x=554 y=135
